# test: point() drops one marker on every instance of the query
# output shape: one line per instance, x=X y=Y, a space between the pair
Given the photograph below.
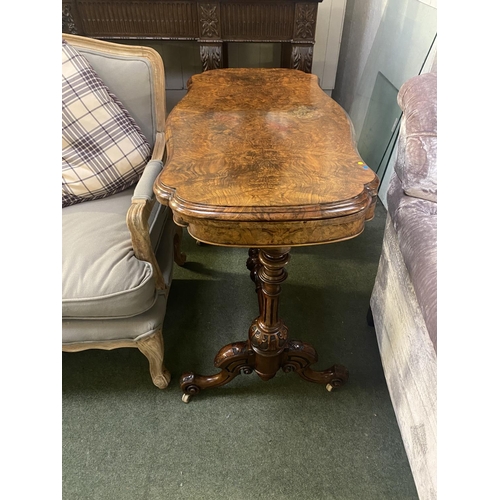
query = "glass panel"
x=381 y=120
x=403 y=40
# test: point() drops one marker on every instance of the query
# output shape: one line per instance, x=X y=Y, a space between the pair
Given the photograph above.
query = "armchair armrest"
x=140 y=209
x=144 y=188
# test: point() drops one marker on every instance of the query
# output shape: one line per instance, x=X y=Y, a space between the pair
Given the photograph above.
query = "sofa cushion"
x=101 y=277
x=103 y=149
x=416 y=163
x=415 y=222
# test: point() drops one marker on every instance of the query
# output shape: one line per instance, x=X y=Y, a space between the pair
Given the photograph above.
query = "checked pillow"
x=103 y=149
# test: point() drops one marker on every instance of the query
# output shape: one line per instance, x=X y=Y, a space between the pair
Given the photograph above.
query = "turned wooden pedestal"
x=264 y=159
x=268 y=348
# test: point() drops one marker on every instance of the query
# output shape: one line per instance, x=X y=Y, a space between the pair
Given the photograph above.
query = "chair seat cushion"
x=78 y=330
x=101 y=277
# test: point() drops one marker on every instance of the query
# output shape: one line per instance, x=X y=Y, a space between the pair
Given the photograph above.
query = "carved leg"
x=299 y=356
x=253 y=265
x=232 y=359
x=179 y=256
x=152 y=348
x=267 y=334
x=253 y=262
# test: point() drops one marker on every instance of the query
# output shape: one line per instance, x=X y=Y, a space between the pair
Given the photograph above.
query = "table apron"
x=261 y=234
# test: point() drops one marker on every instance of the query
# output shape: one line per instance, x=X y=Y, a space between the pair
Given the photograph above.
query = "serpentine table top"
x=263 y=158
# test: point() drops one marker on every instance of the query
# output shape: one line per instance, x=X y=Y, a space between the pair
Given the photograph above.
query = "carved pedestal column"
x=268 y=334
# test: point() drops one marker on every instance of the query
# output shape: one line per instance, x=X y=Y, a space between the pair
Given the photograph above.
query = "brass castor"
x=186 y=398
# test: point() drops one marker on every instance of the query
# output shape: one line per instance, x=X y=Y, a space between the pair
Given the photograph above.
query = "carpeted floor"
x=125 y=439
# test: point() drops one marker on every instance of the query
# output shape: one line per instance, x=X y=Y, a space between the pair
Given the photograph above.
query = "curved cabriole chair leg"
x=152 y=347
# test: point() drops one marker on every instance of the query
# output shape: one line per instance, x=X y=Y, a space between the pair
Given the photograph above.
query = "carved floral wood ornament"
x=306 y=20
x=263 y=158
x=209 y=20
x=68 y=23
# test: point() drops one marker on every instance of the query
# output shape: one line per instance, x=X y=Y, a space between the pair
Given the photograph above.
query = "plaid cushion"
x=103 y=149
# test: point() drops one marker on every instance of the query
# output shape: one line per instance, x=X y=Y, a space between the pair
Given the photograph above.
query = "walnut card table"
x=264 y=159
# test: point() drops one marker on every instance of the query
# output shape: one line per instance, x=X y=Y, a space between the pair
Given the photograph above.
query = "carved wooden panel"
x=136 y=18
x=208 y=22
x=68 y=23
x=263 y=21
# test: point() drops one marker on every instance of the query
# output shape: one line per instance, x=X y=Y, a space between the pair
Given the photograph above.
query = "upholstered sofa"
x=404 y=299
x=118 y=243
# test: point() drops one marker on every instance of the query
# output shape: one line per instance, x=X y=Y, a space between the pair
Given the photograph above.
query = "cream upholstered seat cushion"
x=102 y=278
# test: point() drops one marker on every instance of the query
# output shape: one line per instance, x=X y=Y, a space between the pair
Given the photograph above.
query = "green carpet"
x=284 y=439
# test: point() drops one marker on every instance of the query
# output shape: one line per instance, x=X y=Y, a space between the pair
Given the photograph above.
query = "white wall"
x=329 y=28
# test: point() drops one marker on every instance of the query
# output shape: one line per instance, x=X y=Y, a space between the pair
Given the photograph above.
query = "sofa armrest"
x=416 y=164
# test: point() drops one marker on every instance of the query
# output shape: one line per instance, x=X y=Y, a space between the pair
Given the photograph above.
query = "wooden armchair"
x=118 y=251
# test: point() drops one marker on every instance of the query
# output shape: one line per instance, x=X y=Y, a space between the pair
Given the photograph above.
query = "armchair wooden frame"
x=138 y=214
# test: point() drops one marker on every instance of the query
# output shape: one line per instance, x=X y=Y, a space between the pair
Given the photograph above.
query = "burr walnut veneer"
x=211 y=23
x=264 y=159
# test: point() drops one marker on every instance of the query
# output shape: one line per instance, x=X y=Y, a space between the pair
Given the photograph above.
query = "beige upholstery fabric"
x=102 y=330
x=96 y=243
x=131 y=79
